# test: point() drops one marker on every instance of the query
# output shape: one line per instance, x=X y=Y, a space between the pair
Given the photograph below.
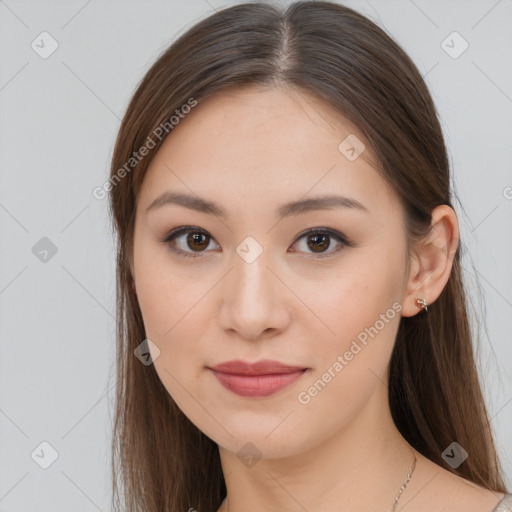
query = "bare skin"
x=251 y=151
x=432 y=488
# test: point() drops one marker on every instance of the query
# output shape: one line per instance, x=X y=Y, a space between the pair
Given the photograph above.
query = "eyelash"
x=176 y=233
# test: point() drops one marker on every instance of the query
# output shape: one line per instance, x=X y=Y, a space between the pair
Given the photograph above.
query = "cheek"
x=362 y=309
x=352 y=300
x=174 y=322
x=163 y=292
x=351 y=365
x=172 y=307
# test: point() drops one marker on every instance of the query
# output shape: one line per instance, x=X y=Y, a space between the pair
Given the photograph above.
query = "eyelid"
x=333 y=233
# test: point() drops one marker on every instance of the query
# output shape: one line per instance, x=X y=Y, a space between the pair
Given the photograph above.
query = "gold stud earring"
x=421 y=304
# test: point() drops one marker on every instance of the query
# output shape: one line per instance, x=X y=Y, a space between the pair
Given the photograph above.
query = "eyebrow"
x=196 y=203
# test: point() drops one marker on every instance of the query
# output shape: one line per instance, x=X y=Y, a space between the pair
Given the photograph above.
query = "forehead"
x=267 y=144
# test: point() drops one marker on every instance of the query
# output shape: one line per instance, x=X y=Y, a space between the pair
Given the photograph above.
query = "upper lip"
x=264 y=367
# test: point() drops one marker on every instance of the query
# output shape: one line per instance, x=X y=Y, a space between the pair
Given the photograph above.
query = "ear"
x=431 y=260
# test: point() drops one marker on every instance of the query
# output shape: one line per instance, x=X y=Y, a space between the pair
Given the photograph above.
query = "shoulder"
x=438 y=489
x=505 y=504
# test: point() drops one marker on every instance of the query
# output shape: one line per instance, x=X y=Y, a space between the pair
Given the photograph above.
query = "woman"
x=289 y=279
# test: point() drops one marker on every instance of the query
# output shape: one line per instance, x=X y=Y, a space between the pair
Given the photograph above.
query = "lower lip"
x=257 y=385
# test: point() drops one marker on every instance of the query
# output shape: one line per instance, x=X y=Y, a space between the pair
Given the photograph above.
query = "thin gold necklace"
x=402 y=489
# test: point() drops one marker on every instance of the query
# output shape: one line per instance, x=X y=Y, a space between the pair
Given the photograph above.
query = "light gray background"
x=59 y=118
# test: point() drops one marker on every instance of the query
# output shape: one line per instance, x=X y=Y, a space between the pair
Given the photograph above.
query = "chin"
x=254 y=439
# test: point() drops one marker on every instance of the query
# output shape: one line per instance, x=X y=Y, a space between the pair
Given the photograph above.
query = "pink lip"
x=262 y=378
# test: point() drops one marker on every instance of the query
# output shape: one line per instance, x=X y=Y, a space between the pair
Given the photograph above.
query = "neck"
x=359 y=468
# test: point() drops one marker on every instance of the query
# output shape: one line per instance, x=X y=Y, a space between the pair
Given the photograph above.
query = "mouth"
x=260 y=379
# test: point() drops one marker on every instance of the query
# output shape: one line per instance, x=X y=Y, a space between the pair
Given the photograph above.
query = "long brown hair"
x=160 y=460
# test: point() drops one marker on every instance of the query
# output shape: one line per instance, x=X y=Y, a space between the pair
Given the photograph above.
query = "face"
x=315 y=289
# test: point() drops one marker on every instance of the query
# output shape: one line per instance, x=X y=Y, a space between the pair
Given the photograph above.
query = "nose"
x=255 y=303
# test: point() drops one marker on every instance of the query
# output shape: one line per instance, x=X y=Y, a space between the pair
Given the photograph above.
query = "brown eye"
x=318 y=241
x=192 y=245
x=197 y=241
